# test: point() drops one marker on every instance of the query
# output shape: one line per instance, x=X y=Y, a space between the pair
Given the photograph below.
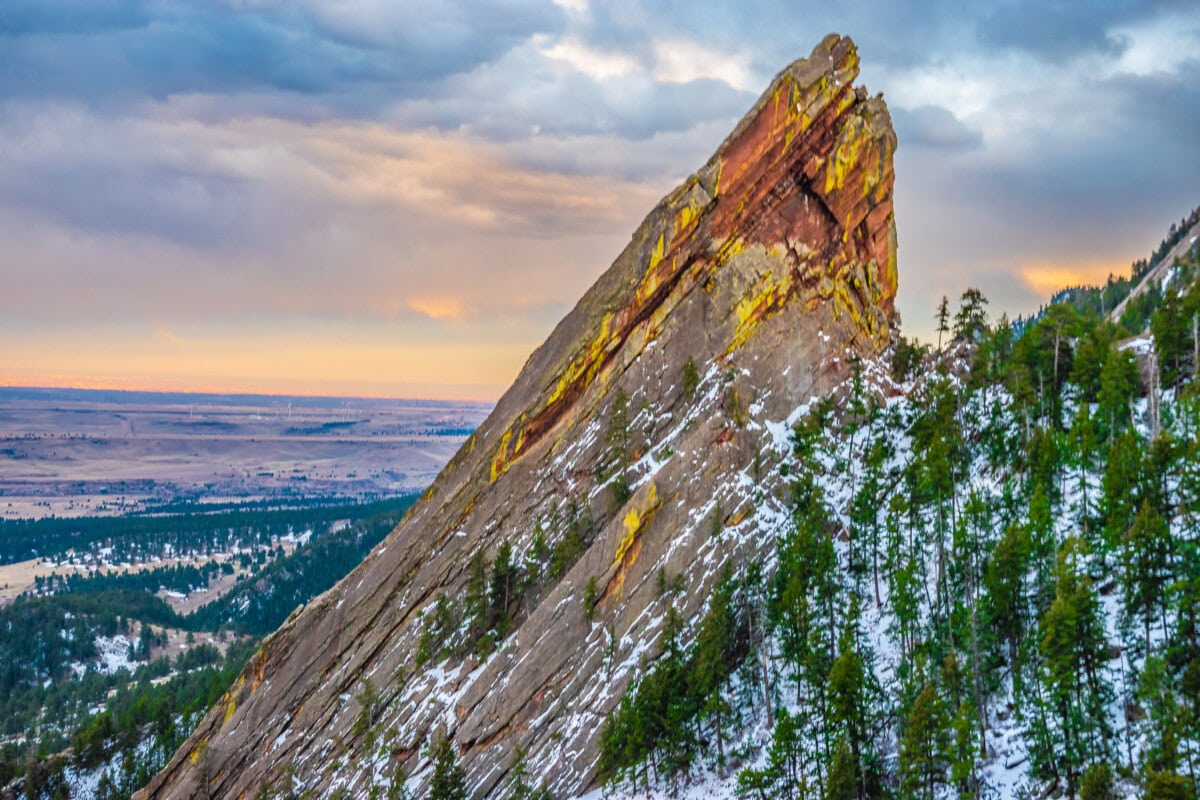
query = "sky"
x=401 y=198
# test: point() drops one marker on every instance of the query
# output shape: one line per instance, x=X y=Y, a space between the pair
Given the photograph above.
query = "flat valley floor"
x=74 y=453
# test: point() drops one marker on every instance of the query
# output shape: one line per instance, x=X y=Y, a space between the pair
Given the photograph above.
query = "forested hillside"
x=987 y=586
x=92 y=699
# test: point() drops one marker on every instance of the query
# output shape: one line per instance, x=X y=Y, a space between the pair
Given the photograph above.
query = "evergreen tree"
x=503 y=589
x=1146 y=569
x=520 y=782
x=970 y=322
x=1074 y=652
x=714 y=654
x=1171 y=328
x=942 y=317
x=475 y=603
x=1005 y=587
x=619 y=441
x=924 y=746
x=449 y=781
x=1122 y=479
x=1118 y=381
x=691 y=379
x=535 y=567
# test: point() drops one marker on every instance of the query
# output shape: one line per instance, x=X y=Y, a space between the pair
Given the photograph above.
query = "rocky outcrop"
x=766 y=269
x=1159 y=271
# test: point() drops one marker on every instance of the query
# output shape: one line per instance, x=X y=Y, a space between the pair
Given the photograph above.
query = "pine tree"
x=923 y=745
x=1146 y=571
x=520 y=782
x=536 y=563
x=943 y=320
x=1083 y=445
x=963 y=749
x=842 y=781
x=1171 y=330
x=850 y=683
x=1097 y=783
x=502 y=590
x=1122 y=478
x=1118 y=381
x=714 y=652
x=691 y=379
x=1074 y=652
x=476 y=603
x=368 y=709
x=970 y=322
x=619 y=441
x=1005 y=586
x=449 y=781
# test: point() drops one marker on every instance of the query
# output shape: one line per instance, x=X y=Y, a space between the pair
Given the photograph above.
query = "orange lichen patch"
x=260 y=670
x=617 y=584
x=739 y=517
x=767 y=297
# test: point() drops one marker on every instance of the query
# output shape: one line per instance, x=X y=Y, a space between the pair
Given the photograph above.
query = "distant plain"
x=68 y=452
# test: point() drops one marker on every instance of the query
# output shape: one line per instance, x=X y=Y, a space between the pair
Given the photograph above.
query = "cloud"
x=358 y=57
x=526 y=93
x=936 y=127
x=592 y=62
x=459 y=171
x=684 y=61
x=269 y=217
x=1062 y=30
x=29 y=17
x=1045 y=280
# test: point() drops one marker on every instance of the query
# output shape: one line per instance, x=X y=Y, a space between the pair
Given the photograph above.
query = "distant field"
x=72 y=453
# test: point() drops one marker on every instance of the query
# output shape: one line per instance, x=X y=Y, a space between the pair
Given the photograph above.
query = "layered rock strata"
x=767 y=268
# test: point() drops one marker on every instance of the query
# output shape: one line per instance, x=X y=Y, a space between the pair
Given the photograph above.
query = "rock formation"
x=767 y=269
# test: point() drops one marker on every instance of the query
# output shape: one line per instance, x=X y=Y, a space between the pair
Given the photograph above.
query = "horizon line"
x=7 y=384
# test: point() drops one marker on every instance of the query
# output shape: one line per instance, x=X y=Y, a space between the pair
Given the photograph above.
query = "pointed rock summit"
x=516 y=601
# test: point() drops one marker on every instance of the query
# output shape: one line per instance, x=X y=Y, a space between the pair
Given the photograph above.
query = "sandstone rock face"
x=767 y=268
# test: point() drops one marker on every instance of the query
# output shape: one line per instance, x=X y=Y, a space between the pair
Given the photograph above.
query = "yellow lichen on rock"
x=501 y=461
x=633 y=522
x=766 y=297
x=845 y=156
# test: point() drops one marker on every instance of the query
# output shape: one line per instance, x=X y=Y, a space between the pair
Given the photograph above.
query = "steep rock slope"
x=767 y=268
x=1158 y=272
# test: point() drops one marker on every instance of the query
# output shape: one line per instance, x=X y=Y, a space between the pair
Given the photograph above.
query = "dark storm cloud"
x=1059 y=30
x=31 y=17
x=360 y=61
x=1170 y=99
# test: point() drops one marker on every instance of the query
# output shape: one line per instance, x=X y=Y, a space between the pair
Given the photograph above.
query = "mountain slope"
x=1158 y=272
x=623 y=444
